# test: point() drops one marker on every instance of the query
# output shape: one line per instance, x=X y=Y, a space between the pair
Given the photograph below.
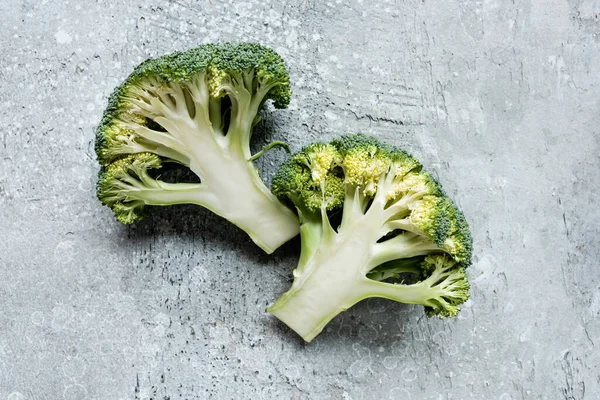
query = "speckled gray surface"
x=499 y=98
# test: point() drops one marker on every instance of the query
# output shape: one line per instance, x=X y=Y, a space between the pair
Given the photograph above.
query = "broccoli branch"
x=405 y=245
x=441 y=291
x=397 y=224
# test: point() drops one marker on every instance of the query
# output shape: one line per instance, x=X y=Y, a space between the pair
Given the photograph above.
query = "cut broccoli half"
x=196 y=108
x=399 y=236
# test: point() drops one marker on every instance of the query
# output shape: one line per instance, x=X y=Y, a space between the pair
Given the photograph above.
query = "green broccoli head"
x=400 y=235
x=234 y=65
x=459 y=242
x=113 y=142
x=197 y=108
x=365 y=161
x=311 y=179
x=431 y=216
x=449 y=283
x=153 y=87
x=118 y=182
x=411 y=185
x=150 y=75
x=158 y=81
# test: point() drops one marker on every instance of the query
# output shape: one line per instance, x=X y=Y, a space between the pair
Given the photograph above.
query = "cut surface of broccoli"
x=374 y=223
x=195 y=108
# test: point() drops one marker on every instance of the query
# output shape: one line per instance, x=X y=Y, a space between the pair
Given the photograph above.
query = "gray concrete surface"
x=499 y=98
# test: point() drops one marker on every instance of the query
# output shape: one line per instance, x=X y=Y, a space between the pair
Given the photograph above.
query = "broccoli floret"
x=398 y=236
x=197 y=109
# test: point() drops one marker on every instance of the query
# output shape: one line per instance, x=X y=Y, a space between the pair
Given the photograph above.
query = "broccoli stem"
x=311 y=234
x=258 y=212
x=225 y=171
x=440 y=291
x=424 y=293
x=238 y=194
x=245 y=108
x=334 y=280
x=160 y=138
x=276 y=143
x=405 y=245
x=334 y=277
x=141 y=146
x=330 y=280
x=166 y=194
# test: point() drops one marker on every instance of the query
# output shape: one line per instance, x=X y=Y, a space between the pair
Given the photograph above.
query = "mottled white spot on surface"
x=62 y=37
x=346 y=396
x=99 y=99
x=162 y=322
x=409 y=374
x=129 y=352
x=292 y=39
x=145 y=393
x=74 y=367
x=525 y=335
x=16 y=396
x=60 y=318
x=451 y=349
x=124 y=304
x=64 y=252
x=330 y=115
x=390 y=362
x=358 y=368
x=198 y=275
x=37 y=318
x=220 y=335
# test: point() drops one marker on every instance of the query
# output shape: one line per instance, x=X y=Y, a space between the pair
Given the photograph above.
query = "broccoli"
x=398 y=235
x=196 y=109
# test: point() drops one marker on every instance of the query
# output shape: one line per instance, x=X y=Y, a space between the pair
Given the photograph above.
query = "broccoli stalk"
x=197 y=109
x=396 y=225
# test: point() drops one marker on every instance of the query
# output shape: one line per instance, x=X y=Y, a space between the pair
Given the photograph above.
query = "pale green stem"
x=166 y=194
x=310 y=234
x=404 y=224
x=405 y=245
x=231 y=185
x=422 y=293
x=268 y=147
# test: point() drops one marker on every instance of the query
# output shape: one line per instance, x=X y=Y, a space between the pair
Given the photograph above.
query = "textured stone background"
x=499 y=98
